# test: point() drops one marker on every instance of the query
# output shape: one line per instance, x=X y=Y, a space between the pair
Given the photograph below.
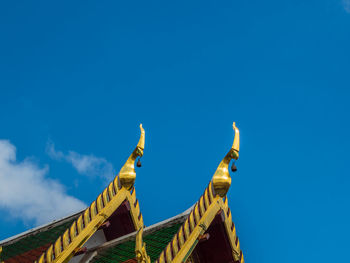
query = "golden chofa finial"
x=127 y=174
x=222 y=179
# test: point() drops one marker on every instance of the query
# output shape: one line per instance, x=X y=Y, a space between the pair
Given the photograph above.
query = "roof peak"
x=222 y=179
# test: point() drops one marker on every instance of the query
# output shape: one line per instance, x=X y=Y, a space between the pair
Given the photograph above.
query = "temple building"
x=111 y=229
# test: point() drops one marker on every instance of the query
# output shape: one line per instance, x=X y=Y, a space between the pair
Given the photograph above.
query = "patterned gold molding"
x=99 y=211
x=198 y=221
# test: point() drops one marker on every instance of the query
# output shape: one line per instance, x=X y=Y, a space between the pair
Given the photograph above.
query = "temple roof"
x=122 y=249
x=111 y=229
x=35 y=241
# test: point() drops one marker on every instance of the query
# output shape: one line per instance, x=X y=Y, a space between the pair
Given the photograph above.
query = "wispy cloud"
x=28 y=194
x=346 y=4
x=88 y=165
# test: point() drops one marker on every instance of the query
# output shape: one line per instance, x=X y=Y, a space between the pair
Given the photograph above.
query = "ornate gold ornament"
x=127 y=174
x=222 y=179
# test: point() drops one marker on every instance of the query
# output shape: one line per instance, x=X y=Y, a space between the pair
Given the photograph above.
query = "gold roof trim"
x=0 y=254
x=179 y=249
x=140 y=248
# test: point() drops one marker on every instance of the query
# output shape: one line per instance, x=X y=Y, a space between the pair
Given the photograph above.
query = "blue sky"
x=76 y=79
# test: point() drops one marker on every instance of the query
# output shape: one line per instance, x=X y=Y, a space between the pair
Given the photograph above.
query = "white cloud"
x=28 y=194
x=346 y=4
x=89 y=165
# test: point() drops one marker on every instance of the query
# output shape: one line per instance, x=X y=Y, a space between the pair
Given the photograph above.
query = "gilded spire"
x=127 y=174
x=222 y=179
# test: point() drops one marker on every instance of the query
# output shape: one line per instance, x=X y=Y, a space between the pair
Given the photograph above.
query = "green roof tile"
x=34 y=241
x=155 y=244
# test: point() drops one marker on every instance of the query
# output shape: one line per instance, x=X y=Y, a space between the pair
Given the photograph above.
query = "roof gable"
x=212 y=206
x=68 y=240
x=209 y=219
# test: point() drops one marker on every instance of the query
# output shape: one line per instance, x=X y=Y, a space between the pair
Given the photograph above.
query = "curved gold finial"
x=222 y=179
x=127 y=174
x=141 y=143
x=235 y=145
